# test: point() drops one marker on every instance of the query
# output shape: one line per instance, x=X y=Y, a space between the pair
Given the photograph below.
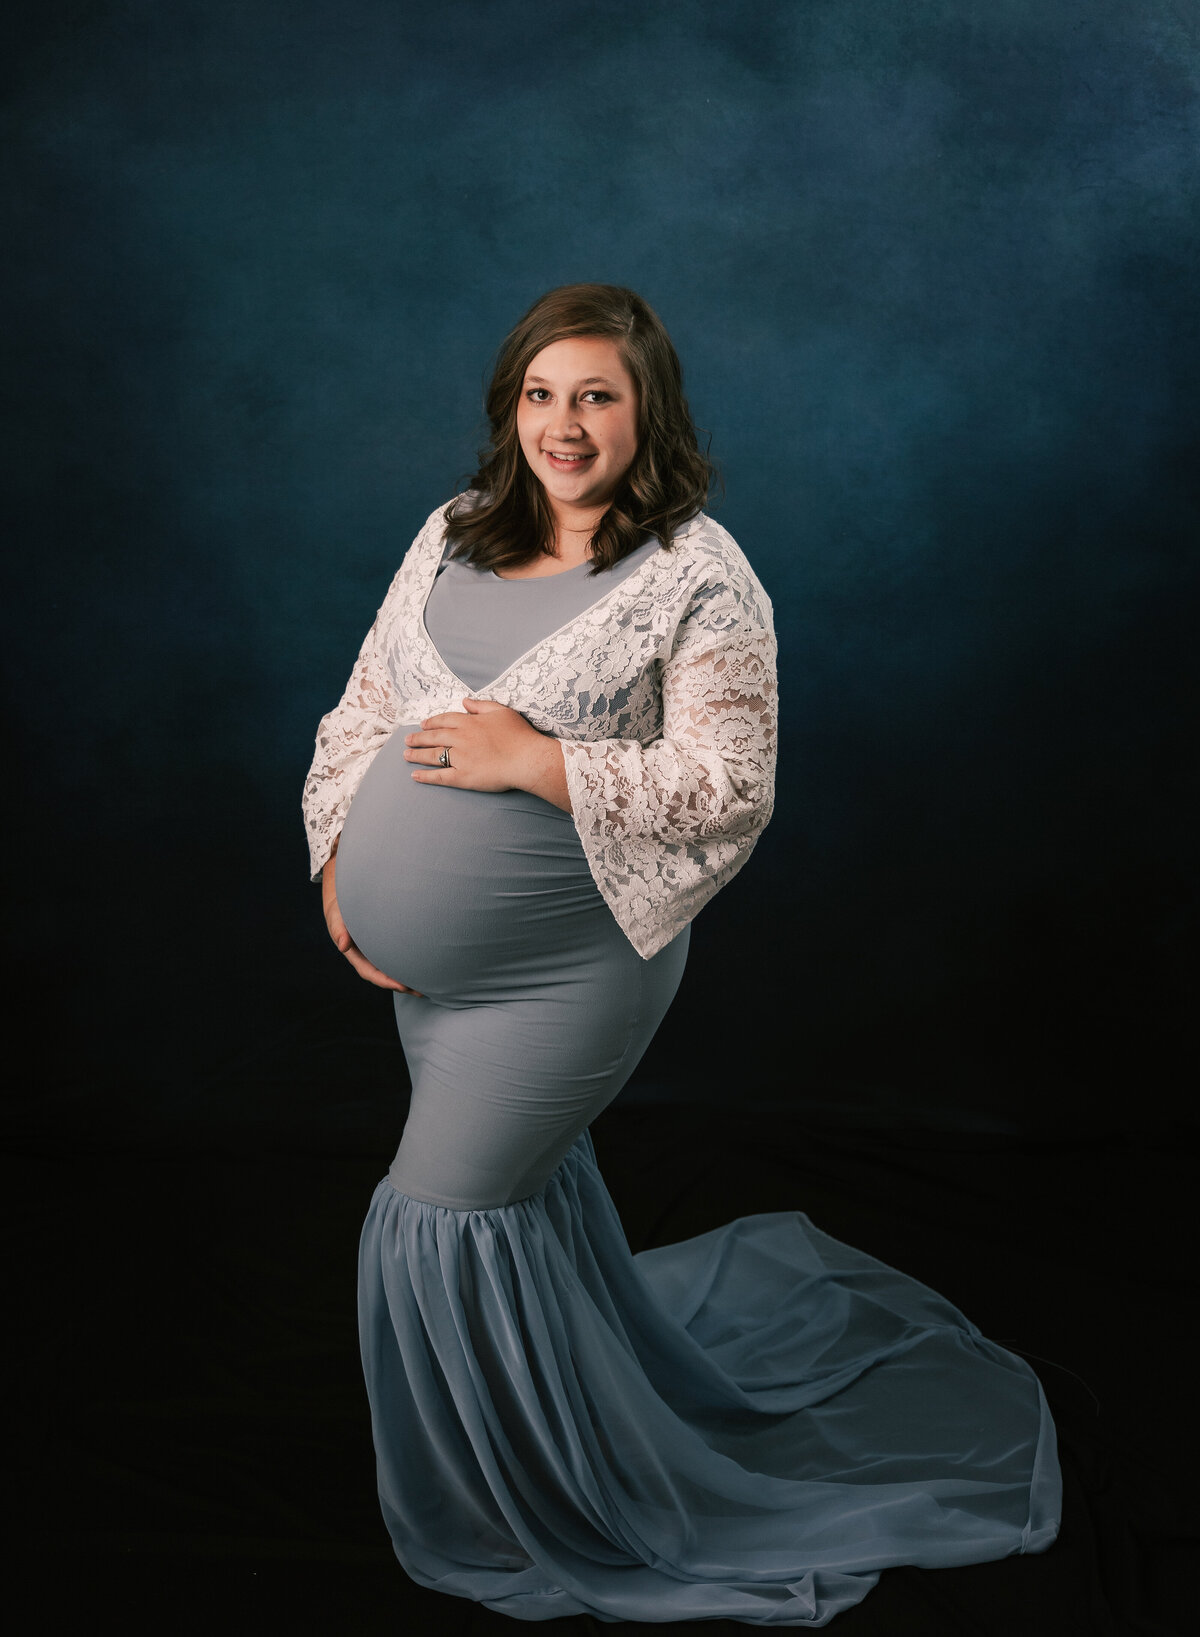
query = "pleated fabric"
x=749 y=1425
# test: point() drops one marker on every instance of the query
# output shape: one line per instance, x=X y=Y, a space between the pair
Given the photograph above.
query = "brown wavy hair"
x=506 y=520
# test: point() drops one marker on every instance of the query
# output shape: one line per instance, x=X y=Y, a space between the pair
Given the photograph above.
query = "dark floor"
x=193 y=1453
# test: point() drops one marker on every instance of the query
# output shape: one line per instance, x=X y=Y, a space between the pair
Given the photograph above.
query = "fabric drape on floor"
x=750 y=1424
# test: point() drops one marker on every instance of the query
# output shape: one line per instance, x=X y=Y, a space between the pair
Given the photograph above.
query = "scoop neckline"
x=521 y=579
x=652 y=557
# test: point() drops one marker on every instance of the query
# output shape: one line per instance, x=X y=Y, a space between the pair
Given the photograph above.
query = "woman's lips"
x=562 y=463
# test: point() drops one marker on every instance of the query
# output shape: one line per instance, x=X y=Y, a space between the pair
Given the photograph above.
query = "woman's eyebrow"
x=591 y=381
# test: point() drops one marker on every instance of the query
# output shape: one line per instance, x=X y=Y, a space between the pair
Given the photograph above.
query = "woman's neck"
x=573 y=533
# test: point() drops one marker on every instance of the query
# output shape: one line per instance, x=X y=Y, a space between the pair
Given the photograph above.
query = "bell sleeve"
x=348 y=737
x=666 y=824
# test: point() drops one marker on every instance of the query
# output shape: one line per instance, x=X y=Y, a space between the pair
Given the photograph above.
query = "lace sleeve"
x=711 y=775
x=347 y=738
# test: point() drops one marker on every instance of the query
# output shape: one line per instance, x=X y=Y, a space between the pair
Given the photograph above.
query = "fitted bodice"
x=480 y=623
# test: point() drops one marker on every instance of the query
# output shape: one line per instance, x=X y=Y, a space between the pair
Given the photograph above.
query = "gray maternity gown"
x=749 y=1425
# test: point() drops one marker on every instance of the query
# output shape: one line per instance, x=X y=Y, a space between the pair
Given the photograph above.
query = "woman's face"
x=577 y=422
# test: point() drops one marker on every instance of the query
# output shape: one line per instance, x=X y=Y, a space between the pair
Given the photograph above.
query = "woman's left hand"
x=491 y=748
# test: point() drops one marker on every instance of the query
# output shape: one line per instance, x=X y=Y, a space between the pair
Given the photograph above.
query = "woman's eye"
x=541 y=395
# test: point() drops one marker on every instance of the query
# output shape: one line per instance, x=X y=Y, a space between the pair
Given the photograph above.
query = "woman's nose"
x=564 y=423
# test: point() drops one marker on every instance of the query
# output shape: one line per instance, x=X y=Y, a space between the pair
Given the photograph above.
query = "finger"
x=428 y=758
x=362 y=965
x=366 y=969
x=434 y=775
x=430 y=736
x=476 y=707
x=337 y=927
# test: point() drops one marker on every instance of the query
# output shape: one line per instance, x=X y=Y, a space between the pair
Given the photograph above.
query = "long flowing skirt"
x=751 y=1424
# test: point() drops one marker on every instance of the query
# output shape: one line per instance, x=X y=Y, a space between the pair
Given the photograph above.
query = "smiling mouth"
x=567 y=459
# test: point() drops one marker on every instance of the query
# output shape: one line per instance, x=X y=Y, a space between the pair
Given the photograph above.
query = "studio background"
x=932 y=272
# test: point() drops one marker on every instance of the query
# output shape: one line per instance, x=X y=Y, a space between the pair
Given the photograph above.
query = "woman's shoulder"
x=714 y=559
x=436 y=523
x=428 y=541
x=430 y=538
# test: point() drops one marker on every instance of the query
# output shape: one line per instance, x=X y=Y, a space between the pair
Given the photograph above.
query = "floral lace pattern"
x=662 y=692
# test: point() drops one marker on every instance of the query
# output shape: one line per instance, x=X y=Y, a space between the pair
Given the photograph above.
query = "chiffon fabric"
x=749 y=1425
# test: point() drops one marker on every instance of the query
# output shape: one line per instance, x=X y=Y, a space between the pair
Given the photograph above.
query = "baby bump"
x=450 y=891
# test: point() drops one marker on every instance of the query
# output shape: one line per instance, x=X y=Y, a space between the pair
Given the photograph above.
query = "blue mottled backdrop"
x=932 y=271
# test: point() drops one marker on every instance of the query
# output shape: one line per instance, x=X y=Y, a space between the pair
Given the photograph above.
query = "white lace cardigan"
x=663 y=694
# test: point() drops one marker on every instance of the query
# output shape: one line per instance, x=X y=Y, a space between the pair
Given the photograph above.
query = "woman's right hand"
x=339 y=932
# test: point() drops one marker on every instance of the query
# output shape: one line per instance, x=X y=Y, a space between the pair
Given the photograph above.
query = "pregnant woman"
x=557 y=744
